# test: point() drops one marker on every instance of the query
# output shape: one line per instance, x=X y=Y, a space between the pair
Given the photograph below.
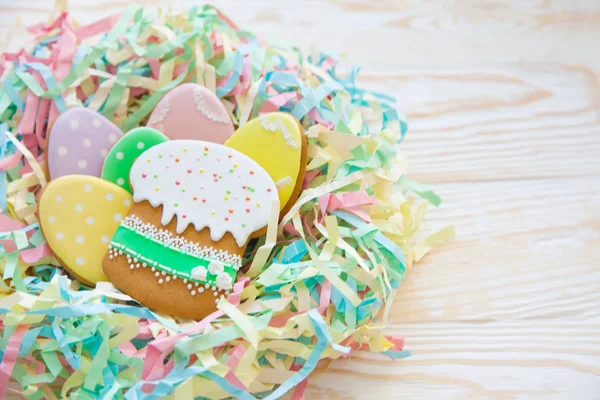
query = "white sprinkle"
x=119 y=155
x=117 y=217
x=87 y=143
x=120 y=181
x=96 y=123
x=82 y=164
x=126 y=203
x=60 y=236
x=109 y=196
x=80 y=239
x=51 y=219
x=103 y=152
x=62 y=151
x=74 y=124
x=160 y=281
x=112 y=138
x=58 y=198
x=89 y=220
x=193 y=292
x=78 y=207
x=79 y=260
x=140 y=145
x=156 y=274
x=168 y=279
x=104 y=238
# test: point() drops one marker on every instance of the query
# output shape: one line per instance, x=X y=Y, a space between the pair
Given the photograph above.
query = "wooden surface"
x=503 y=102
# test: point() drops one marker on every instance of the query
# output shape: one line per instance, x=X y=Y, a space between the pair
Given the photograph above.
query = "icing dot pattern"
x=218 y=215
x=79 y=226
x=75 y=140
x=121 y=157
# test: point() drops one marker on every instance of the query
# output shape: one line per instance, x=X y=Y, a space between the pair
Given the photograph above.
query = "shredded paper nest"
x=318 y=286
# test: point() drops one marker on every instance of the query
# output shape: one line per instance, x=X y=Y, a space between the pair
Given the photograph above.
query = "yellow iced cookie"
x=275 y=141
x=79 y=215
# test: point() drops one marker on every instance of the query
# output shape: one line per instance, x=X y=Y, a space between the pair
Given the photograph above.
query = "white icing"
x=223 y=282
x=191 y=184
x=272 y=125
x=283 y=182
x=199 y=273
x=159 y=117
x=217 y=115
x=215 y=267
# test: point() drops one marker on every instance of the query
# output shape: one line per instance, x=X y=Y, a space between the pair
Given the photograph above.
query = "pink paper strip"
x=11 y=353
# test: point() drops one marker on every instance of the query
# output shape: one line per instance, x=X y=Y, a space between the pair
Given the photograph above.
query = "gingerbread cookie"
x=123 y=154
x=196 y=205
x=79 y=142
x=191 y=111
x=277 y=142
x=78 y=216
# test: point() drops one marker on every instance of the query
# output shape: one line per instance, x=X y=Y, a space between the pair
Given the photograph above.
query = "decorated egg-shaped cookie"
x=78 y=215
x=276 y=141
x=122 y=155
x=191 y=111
x=79 y=141
x=196 y=205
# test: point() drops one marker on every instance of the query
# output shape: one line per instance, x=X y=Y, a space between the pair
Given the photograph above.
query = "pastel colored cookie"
x=191 y=111
x=123 y=154
x=196 y=205
x=276 y=141
x=79 y=142
x=78 y=216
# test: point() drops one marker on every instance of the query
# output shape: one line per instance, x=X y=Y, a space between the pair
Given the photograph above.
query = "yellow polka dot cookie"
x=79 y=215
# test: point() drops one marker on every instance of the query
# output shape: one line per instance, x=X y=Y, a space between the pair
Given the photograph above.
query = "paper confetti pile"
x=313 y=285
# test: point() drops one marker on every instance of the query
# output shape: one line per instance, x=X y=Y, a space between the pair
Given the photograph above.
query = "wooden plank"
x=480 y=360
x=524 y=249
x=530 y=121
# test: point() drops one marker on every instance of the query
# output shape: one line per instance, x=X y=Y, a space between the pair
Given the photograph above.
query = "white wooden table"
x=503 y=102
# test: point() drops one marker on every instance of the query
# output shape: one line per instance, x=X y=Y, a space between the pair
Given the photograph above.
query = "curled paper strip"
x=309 y=290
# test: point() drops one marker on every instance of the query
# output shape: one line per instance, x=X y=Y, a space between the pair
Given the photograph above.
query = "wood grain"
x=503 y=102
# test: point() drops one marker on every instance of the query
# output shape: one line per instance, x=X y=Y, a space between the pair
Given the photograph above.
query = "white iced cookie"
x=206 y=185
